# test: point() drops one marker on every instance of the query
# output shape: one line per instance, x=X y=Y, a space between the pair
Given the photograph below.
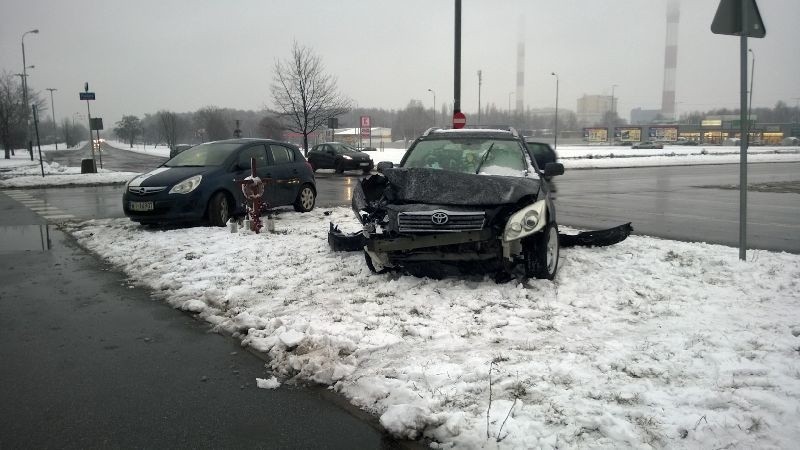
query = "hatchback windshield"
x=342 y=148
x=210 y=154
x=474 y=155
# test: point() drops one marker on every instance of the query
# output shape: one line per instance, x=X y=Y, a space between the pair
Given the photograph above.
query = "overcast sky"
x=145 y=55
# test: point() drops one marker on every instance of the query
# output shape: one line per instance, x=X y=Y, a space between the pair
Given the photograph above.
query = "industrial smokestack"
x=670 y=60
x=520 y=93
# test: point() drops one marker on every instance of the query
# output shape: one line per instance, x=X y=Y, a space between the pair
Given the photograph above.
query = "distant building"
x=593 y=108
x=641 y=116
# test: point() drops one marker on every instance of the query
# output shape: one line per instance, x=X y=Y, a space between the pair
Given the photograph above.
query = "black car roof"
x=248 y=141
x=470 y=133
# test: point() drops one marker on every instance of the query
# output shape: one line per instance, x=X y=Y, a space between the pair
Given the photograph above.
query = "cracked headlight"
x=187 y=185
x=526 y=221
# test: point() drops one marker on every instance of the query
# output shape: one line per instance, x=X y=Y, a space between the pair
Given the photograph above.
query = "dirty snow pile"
x=647 y=343
x=59 y=175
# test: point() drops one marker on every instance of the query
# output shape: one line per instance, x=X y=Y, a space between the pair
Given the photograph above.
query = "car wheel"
x=541 y=252
x=374 y=268
x=339 y=168
x=306 y=199
x=367 y=171
x=219 y=210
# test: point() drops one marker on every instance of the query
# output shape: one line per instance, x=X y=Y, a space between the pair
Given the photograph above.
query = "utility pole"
x=479 y=97
x=555 y=142
x=53 y=110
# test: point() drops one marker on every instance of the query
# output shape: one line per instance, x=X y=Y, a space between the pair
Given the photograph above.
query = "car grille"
x=142 y=190
x=440 y=221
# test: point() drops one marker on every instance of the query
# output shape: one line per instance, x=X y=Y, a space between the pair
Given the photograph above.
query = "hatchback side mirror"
x=385 y=165
x=553 y=169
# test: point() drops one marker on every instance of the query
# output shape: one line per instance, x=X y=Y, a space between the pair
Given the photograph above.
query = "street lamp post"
x=480 y=79
x=509 y=103
x=53 y=110
x=750 y=102
x=555 y=142
x=613 y=86
x=25 y=90
x=434 y=105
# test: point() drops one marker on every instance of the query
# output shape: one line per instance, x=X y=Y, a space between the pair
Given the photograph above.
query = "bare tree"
x=305 y=96
x=170 y=127
x=12 y=113
x=128 y=128
x=213 y=123
x=271 y=128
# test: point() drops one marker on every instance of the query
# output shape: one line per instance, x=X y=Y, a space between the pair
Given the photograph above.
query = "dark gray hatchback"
x=198 y=184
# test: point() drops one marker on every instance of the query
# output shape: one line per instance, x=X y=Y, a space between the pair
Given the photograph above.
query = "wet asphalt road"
x=89 y=361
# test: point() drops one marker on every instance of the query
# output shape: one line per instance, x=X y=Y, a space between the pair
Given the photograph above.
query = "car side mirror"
x=385 y=165
x=553 y=169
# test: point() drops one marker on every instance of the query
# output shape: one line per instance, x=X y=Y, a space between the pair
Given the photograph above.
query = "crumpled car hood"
x=442 y=187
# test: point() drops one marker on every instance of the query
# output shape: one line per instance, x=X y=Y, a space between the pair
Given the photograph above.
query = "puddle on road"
x=25 y=238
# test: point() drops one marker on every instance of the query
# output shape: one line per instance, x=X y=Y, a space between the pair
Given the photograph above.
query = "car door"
x=328 y=157
x=285 y=172
x=242 y=169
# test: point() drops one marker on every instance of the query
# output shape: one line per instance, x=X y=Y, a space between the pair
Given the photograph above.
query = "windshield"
x=210 y=154
x=342 y=148
x=473 y=155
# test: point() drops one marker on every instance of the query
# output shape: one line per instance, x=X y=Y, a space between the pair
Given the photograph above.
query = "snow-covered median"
x=29 y=176
x=645 y=343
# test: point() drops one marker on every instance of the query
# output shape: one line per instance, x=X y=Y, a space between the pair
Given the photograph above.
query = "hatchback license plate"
x=141 y=206
x=364 y=164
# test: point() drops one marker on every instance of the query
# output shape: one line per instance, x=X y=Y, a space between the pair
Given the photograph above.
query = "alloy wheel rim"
x=307 y=198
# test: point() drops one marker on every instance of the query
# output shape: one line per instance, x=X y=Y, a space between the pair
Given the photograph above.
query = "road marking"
x=40 y=207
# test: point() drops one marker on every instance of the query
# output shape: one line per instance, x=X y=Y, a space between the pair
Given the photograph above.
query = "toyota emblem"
x=439 y=218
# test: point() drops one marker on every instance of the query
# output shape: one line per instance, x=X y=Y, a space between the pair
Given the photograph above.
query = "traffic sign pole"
x=744 y=137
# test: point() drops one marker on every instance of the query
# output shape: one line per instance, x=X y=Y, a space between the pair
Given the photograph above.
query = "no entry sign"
x=459 y=119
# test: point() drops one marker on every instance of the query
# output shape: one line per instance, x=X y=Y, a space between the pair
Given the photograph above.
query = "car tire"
x=367 y=171
x=372 y=267
x=306 y=199
x=219 y=210
x=339 y=167
x=541 y=253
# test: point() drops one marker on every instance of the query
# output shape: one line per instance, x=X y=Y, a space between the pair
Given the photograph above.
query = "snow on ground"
x=30 y=175
x=647 y=343
x=155 y=150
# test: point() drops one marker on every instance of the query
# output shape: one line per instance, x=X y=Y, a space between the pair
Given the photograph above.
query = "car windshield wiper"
x=483 y=160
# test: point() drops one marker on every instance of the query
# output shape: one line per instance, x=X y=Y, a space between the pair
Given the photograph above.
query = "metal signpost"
x=741 y=18
x=86 y=95
x=38 y=143
x=457 y=115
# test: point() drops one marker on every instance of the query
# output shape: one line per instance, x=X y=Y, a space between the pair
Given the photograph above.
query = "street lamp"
x=555 y=143
x=613 y=86
x=25 y=84
x=750 y=102
x=53 y=110
x=480 y=79
x=509 y=103
x=434 y=105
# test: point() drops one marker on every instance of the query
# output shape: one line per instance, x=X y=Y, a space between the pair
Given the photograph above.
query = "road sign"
x=459 y=120
x=728 y=19
x=96 y=123
x=365 y=122
x=87 y=95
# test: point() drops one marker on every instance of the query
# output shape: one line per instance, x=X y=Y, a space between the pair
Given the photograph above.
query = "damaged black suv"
x=462 y=200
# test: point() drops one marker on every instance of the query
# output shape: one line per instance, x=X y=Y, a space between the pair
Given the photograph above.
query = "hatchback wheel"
x=306 y=199
x=219 y=210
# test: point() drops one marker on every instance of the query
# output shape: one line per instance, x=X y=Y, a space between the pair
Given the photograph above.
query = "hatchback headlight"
x=187 y=185
x=347 y=157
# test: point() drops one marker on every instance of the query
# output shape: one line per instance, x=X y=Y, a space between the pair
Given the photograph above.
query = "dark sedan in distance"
x=648 y=144
x=340 y=157
x=198 y=183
